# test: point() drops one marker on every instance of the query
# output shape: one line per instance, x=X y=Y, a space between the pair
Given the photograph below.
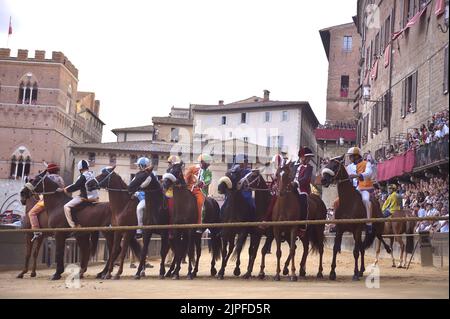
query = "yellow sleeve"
x=387 y=203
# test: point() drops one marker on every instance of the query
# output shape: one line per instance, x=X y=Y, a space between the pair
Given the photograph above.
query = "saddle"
x=79 y=207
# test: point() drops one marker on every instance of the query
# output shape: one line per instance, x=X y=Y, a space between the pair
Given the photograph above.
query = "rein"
x=108 y=177
x=43 y=188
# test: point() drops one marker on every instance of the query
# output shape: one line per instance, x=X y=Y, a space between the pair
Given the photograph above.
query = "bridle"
x=281 y=190
x=335 y=174
x=108 y=179
x=245 y=181
x=41 y=180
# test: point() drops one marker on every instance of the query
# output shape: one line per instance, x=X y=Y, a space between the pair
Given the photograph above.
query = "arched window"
x=13 y=167
x=28 y=93
x=34 y=94
x=21 y=92
x=20 y=163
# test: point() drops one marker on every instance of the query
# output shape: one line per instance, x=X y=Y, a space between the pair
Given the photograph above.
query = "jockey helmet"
x=305 y=152
x=205 y=158
x=354 y=151
x=143 y=163
x=83 y=165
x=174 y=159
x=53 y=168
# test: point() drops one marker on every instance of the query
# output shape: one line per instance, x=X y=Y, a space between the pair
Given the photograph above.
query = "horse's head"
x=224 y=185
x=335 y=170
x=26 y=192
x=174 y=176
x=106 y=179
x=252 y=179
x=41 y=184
x=284 y=178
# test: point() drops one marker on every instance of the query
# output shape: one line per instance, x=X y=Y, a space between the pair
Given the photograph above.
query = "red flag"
x=440 y=7
x=10 y=27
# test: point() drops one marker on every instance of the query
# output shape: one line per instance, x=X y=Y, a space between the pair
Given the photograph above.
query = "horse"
x=184 y=212
x=314 y=233
x=398 y=228
x=351 y=207
x=123 y=207
x=234 y=209
x=29 y=200
x=88 y=215
x=212 y=216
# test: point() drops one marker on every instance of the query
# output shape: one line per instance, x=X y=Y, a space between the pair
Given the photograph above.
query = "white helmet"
x=83 y=165
x=143 y=163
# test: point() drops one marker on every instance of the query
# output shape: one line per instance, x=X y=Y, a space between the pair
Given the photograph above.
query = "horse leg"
x=377 y=252
x=29 y=248
x=109 y=236
x=362 y=268
x=402 y=251
x=178 y=254
x=336 y=249
x=198 y=245
x=240 y=243
x=319 y=274
x=356 y=250
x=392 y=251
x=126 y=244
x=264 y=251
x=292 y=253
x=164 y=250
x=255 y=239
x=286 y=263
x=36 y=255
x=227 y=256
x=115 y=253
x=141 y=268
x=278 y=241
x=83 y=243
x=305 y=242
x=60 y=240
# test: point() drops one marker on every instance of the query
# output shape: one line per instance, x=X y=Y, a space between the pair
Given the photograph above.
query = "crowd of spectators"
x=335 y=125
x=435 y=129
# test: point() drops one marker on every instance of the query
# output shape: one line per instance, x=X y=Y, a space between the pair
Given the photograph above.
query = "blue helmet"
x=143 y=163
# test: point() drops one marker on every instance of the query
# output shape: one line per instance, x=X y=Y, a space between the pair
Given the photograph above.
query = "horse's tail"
x=409 y=238
x=93 y=243
x=135 y=247
x=215 y=246
x=316 y=233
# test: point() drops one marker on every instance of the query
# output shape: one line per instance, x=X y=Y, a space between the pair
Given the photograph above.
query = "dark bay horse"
x=29 y=200
x=314 y=233
x=123 y=207
x=234 y=209
x=212 y=216
x=351 y=207
x=87 y=216
x=398 y=228
x=184 y=212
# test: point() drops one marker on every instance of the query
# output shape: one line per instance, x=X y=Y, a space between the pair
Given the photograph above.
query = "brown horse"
x=123 y=207
x=398 y=228
x=87 y=216
x=351 y=207
x=184 y=212
x=29 y=200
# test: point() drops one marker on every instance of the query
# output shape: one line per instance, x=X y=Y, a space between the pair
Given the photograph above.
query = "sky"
x=143 y=57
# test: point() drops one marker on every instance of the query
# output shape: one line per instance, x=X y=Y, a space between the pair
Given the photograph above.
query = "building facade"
x=42 y=113
x=404 y=74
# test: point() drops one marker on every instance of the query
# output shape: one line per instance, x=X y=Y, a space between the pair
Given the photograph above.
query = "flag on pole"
x=10 y=27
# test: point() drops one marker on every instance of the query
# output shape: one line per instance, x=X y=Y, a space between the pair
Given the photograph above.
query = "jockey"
x=392 y=203
x=360 y=171
x=302 y=181
x=143 y=164
x=52 y=170
x=198 y=178
x=85 y=194
x=241 y=166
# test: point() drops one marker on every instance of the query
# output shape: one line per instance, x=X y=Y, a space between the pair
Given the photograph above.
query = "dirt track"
x=417 y=282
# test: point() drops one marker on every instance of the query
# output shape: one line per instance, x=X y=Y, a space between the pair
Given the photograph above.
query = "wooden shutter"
x=446 y=70
x=414 y=93
x=382 y=40
x=402 y=13
x=403 y=104
x=387 y=110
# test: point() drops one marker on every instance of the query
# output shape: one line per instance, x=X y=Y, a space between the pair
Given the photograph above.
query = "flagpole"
x=9 y=32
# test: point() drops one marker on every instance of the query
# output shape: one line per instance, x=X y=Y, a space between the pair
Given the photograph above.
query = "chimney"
x=39 y=55
x=266 y=95
x=22 y=54
x=220 y=102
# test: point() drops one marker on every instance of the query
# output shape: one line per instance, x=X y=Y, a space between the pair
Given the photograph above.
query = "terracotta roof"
x=144 y=129
x=171 y=120
x=140 y=146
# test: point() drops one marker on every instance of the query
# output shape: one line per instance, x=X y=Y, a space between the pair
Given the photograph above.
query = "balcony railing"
x=432 y=153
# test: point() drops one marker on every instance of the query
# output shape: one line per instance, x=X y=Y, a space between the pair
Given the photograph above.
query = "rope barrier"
x=223 y=225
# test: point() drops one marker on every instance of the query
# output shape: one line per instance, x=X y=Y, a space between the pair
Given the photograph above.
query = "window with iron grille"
x=347 y=43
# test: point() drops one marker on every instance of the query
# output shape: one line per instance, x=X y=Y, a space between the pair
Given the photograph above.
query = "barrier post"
x=426 y=253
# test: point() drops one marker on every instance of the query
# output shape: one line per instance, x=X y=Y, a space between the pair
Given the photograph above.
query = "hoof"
x=175 y=277
x=277 y=278
x=261 y=276
x=107 y=276
x=33 y=274
x=285 y=272
x=148 y=265
x=333 y=276
x=361 y=274
x=355 y=278
x=294 y=278
x=220 y=276
x=143 y=273
x=137 y=277
x=302 y=273
x=393 y=266
x=162 y=277
x=20 y=276
x=319 y=275
x=99 y=276
x=132 y=266
x=236 y=272
x=400 y=266
x=190 y=277
x=55 y=277
x=116 y=277
x=213 y=272
x=247 y=276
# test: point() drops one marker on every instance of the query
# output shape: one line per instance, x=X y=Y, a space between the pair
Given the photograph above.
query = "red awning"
x=335 y=134
x=396 y=166
x=440 y=7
